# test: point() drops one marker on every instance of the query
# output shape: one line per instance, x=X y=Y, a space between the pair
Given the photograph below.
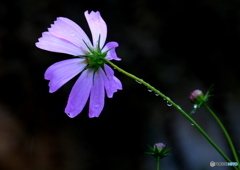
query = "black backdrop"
x=177 y=46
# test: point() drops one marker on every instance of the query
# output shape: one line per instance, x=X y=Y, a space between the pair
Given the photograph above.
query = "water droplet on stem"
x=169 y=104
x=138 y=82
x=195 y=106
x=150 y=90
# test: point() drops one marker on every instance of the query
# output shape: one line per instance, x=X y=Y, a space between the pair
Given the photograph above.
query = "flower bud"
x=197 y=97
x=159 y=150
x=159 y=146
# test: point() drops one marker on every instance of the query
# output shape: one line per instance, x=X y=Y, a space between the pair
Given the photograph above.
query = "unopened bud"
x=197 y=97
x=159 y=150
x=159 y=146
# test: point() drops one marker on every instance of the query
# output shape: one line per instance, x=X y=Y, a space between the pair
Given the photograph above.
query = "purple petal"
x=51 y=43
x=68 y=30
x=61 y=72
x=97 y=26
x=97 y=95
x=111 y=83
x=111 y=55
x=79 y=93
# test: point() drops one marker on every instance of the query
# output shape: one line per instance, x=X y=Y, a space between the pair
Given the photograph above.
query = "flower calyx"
x=95 y=57
x=96 y=60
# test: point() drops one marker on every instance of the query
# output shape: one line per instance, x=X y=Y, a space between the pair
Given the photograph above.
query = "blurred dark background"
x=176 y=46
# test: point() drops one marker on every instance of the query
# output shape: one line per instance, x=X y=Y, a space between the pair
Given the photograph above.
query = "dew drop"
x=156 y=94
x=195 y=106
x=97 y=105
x=138 y=82
x=169 y=104
x=192 y=124
x=150 y=90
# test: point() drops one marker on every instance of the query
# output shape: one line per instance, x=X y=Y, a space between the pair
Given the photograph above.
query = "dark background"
x=176 y=46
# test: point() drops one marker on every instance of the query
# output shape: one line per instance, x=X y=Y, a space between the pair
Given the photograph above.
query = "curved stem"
x=174 y=105
x=225 y=133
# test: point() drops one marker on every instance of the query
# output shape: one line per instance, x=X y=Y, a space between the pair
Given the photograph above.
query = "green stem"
x=174 y=105
x=158 y=163
x=225 y=133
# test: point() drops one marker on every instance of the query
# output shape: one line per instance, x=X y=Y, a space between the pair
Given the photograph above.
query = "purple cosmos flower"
x=65 y=36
